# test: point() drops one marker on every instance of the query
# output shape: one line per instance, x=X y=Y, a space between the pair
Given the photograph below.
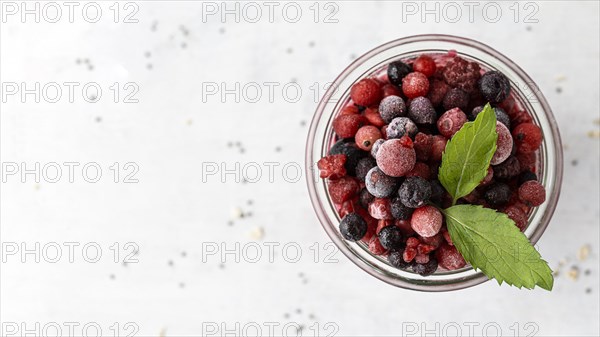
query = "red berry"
x=425 y=248
x=517 y=215
x=449 y=258
x=396 y=157
x=426 y=221
x=527 y=161
x=375 y=246
x=347 y=208
x=425 y=65
x=422 y=258
x=380 y=209
x=405 y=227
x=451 y=121
x=504 y=144
x=415 y=85
x=350 y=110
x=437 y=92
x=343 y=189
x=382 y=224
x=420 y=170
x=488 y=177
x=390 y=90
x=528 y=137
x=434 y=241
x=366 y=92
x=412 y=242
x=366 y=136
x=438 y=147
x=332 y=167
x=447 y=237
x=423 y=144
x=346 y=126
x=532 y=193
x=372 y=115
x=409 y=254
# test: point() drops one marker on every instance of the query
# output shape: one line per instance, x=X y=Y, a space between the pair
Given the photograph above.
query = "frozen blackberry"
x=365 y=198
x=363 y=166
x=401 y=126
x=399 y=211
x=380 y=184
x=462 y=74
x=414 y=192
x=497 y=194
x=396 y=72
x=527 y=176
x=455 y=98
x=425 y=269
x=396 y=259
x=508 y=169
x=392 y=107
x=421 y=111
x=352 y=152
x=494 y=86
x=353 y=227
x=390 y=237
x=501 y=115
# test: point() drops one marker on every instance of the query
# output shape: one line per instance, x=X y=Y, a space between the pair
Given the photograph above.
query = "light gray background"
x=171 y=132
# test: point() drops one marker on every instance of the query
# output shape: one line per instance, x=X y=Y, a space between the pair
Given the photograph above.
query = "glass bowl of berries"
x=437 y=165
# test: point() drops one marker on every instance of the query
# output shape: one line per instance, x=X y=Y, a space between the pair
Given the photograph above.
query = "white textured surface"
x=171 y=132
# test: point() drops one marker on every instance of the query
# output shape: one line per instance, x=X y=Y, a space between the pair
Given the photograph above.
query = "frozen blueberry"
x=390 y=237
x=353 y=227
x=501 y=115
x=396 y=259
x=363 y=166
x=399 y=211
x=497 y=194
x=376 y=146
x=392 y=107
x=527 y=176
x=494 y=86
x=380 y=184
x=425 y=269
x=365 y=198
x=414 y=192
x=455 y=98
x=396 y=72
x=401 y=126
x=421 y=111
x=352 y=152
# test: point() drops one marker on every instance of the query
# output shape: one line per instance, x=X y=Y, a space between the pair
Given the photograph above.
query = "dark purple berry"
x=380 y=184
x=426 y=269
x=353 y=227
x=399 y=211
x=390 y=237
x=364 y=166
x=396 y=72
x=392 y=107
x=527 y=176
x=376 y=146
x=494 y=86
x=510 y=168
x=455 y=98
x=352 y=152
x=498 y=194
x=437 y=191
x=365 y=198
x=501 y=115
x=401 y=126
x=421 y=111
x=414 y=192
x=395 y=258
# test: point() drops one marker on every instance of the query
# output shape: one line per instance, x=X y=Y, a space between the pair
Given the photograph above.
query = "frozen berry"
x=396 y=71
x=376 y=146
x=532 y=193
x=332 y=167
x=460 y=73
x=497 y=194
x=425 y=269
x=437 y=191
x=353 y=227
x=338 y=147
x=380 y=184
x=390 y=90
x=421 y=111
x=346 y=126
x=527 y=161
x=508 y=169
x=415 y=85
x=390 y=237
x=504 y=144
x=375 y=246
x=401 y=126
x=451 y=121
x=426 y=221
x=380 y=209
x=409 y=254
x=396 y=157
x=447 y=237
x=352 y=152
x=437 y=147
x=455 y=98
x=366 y=136
x=428 y=244
x=517 y=215
x=350 y=110
x=412 y=242
x=404 y=226
x=414 y=192
x=396 y=259
x=364 y=166
x=392 y=107
x=366 y=92
x=423 y=144
x=494 y=86
x=343 y=189
x=437 y=92
x=365 y=198
x=501 y=116
x=449 y=258
x=373 y=117
x=425 y=65
x=420 y=170
x=399 y=211
x=528 y=137
x=527 y=176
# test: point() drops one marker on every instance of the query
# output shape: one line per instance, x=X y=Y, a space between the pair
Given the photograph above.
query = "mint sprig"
x=488 y=240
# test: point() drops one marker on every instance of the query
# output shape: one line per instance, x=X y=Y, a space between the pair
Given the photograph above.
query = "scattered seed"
x=561 y=78
x=583 y=253
x=588 y=291
x=237 y=213
x=558 y=90
x=302 y=123
x=573 y=273
x=594 y=134
x=587 y=272
x=257 y=233
x=574 y=162
x=597 y=121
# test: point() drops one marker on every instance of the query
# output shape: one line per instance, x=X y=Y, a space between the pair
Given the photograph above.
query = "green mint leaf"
x=468 y=154
x=491 y=242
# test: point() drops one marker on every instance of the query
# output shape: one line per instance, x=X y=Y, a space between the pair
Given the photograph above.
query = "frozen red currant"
x=366 y=92
x=425 y=65
x=415 y=84
x=449 y=258
x=528 y=137
x=426 y=221
x=451 y=121
x=396 y=157
x=346 y=126
x=504 y=144
x=366 y=136
x=532 y=193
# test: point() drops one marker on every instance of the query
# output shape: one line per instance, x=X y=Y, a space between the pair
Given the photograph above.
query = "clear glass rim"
x=320 y=131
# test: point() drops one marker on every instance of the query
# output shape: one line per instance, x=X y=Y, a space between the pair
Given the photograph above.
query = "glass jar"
x=321 y=137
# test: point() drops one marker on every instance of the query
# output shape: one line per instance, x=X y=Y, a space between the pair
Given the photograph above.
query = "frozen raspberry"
x=517 y=215
x=438 y=146
x=365 y=198
x=449 y=258
x=343 y=189
x=415 y=85
x=426 y=221
x=350 y=110
x=528 y=137
x=508 y=169
x=390 y=90
x=412 y=242
x=396 y=157
x=414 y=192
x=366 y=92
x=501 y=116
x=532 y=193
x=400 y=127
x=462 y=74
x=421 y=111
x=527 y=161
x=397 y=71
x=425 y=65
x=451 y=121
x=332 y=167
x=376 y=146
x=425 y=267
x=390 y=237
x=346 y=126
x=527 y=176
x=346 y=208
x=396 y=259
x=409 y=254
x=494 y=86
x=455 y=98
x=380 y=209
x=380 y=184
x=399 y=211
x=422 y=145
x=375 y=246
x=352 y=152
x=497 y=194
x=366 y=136
x=363 y=167
x=504 y=144
x=373 y=117
x=353 y=227
x=392 y=107
x=437 y=92
x=405 y=227
x=424 y=248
